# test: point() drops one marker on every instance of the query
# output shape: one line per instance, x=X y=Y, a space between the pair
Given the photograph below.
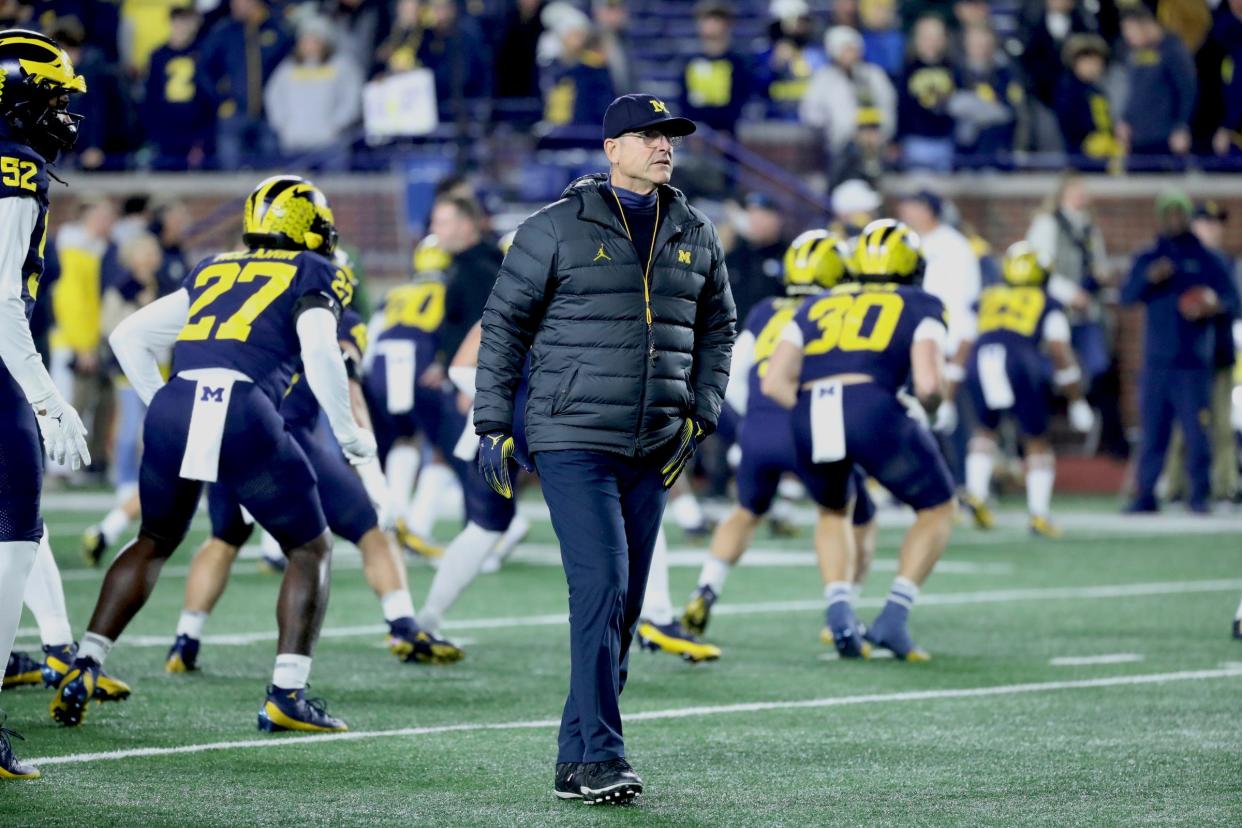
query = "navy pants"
x=21 y=465
x=606 y=512
x=1184 y=395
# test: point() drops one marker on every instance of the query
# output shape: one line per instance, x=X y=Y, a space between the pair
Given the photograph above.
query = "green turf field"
x=991 y=732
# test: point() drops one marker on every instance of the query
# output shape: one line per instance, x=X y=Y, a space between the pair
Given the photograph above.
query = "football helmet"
x=888 y=251
x=289 y=212
x=430 y=257
x=1022 y=267
x=36 y=79
x=815 y=261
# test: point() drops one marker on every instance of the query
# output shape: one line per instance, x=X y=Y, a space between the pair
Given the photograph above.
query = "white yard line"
x=1085 y=661
x=947 y=599
x=656 y=715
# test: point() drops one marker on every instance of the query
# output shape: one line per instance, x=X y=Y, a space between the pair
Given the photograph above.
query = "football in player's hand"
x=1197 y=302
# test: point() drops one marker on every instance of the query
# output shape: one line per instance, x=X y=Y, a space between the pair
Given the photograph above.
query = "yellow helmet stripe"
x=279 y=201
x=257 y=199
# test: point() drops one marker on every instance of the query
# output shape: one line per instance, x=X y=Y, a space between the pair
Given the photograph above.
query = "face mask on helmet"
x=36 y=80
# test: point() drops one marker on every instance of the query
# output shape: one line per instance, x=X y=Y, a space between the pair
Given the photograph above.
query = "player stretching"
x=36 y=79
x=236 y=328
x=839 y=365
x=815 y=261
x=1006 y=375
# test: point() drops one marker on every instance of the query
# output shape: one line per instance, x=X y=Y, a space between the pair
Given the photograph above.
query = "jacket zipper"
x=650 y=356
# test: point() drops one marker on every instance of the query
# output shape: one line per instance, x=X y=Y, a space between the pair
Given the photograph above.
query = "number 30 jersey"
x=865 y=329
x=243 y=312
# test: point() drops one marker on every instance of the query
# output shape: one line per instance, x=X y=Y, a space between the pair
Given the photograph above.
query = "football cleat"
x=699 y=611
x=56 y=662
x=567 y=780
x=74 y=692
x=94 y=546
x=22 y=671
x=413 y=644
x=612 y=782
x=896 y=639
x=10 y=766
x=1041 y=527
x=672 y=639
x=699 y=532
x=182 y=655
x=849 y=641
x=781 y=528
x=291 y=710
x=416 y=545
x=980 y=511
x=1237 y=628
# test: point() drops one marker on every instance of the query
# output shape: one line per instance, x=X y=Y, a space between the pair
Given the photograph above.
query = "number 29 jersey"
x=243 y=310
x=865 y=329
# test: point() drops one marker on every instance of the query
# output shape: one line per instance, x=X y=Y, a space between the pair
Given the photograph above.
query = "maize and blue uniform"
x=865 y=329
x=22 y=176
x=405 y=345
x=766 y=433
x=218 y=420
x=1007 y=372
x=346 y=506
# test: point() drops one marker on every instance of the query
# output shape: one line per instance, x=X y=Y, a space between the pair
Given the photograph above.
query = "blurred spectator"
x=846 y=12
x=1160 y=93
x=924 y=124
x=358 y=25
x=914 y=10
x=612 y=21
x=1219 y=110
x=169 y=224
x=454 y=49
x=1040 y=44
x=314 y=97
x=99 y=19
x=756 y=260
x=1183 y=286
x=238 y=56
x=848 y=93
x=985 y=107
x=854 y=206
x=883 y=41
x=967 y=15
x=175 y=108
x=1082 y=107
x=398 y=52
x=1189 y=22
x=717 y=81
x=457 y=223
x=578 y=86
x=786 y=66
x=1209 y=227
x=516 y=72
x=109 y=129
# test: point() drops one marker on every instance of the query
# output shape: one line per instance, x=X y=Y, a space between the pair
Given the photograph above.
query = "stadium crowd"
x=920 y=84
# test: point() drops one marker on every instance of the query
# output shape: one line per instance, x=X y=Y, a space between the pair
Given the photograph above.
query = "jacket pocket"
x=561 y=400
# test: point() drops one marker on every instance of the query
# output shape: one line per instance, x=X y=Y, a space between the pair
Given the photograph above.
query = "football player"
x=814 y=262
x=236 y=328
x=1017 y=322
x=36 y=80
x=839 y=365
x=348 y=508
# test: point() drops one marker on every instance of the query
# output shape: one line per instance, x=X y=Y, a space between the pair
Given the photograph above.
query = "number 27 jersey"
x=242 y=312
x=864 y=329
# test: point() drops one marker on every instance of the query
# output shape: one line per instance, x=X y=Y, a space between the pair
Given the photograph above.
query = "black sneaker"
x=612 y=782
x=567 y=778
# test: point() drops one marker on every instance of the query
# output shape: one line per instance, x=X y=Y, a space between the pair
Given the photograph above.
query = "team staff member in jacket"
x=620 y=295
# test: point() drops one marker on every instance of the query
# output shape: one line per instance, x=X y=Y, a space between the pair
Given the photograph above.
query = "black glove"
x=687 y=442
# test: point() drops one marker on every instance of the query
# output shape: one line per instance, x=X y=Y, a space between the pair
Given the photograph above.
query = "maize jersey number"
x=220 y=278
x=841 y=318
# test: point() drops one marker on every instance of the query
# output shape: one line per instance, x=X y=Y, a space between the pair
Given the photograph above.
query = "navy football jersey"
x=1014 y=316
x=242 y=312
x=864 y=329
x=414 y=312
x=299 y=408
x=23 y=175
x=766 y=322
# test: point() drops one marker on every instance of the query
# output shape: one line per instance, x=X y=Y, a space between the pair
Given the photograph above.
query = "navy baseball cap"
x=635 y=113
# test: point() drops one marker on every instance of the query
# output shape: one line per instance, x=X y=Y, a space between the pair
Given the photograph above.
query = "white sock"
x=714 y=573
x=837 y=591
x=397 y=604
x=402 y=469
x=96 y=647
x=979 y=471
x=16 y=560
x=519 y=527
x=292 y=671
x=114 y=525
x=686 y=511
x=45 y=595
x=782 y=509
x=191 y=624
x=903 y=591
x=657 y=603
x=1040 y=474
x=458 y=569
x=432 y=483
x=270 y=546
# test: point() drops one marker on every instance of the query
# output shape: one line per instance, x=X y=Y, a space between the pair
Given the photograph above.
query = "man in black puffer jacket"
x=619 y=294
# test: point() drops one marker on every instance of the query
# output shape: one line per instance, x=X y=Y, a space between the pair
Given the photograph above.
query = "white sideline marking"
x=656 y=715
x=1082 y=661
x=946 y=599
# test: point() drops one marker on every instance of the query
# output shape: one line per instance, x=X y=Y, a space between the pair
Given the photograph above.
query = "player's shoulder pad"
x=23 y=172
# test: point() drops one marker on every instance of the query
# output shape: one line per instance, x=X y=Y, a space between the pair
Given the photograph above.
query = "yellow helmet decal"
x=290 y=206
x=888 y=249
x=48 y=64
x=1022 y=267
x=815 y=261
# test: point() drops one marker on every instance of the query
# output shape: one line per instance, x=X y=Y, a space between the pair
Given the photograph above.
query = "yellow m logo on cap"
x=658 y=106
